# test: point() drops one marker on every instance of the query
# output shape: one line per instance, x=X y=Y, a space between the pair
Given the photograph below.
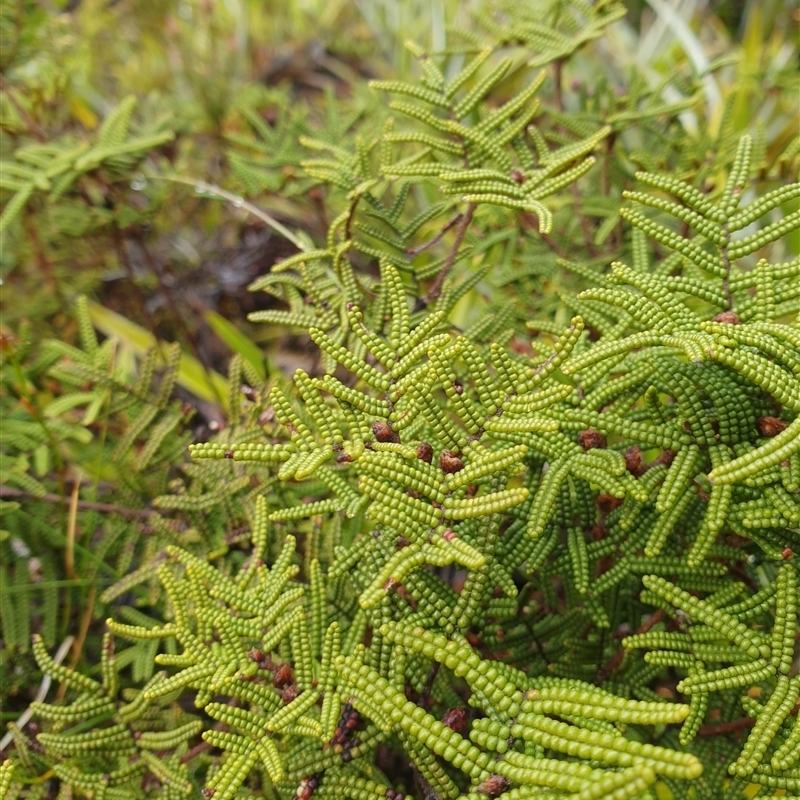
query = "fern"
x=503 y=538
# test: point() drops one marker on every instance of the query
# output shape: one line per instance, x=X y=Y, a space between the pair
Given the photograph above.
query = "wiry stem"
x=461 y=231
x=7 y=492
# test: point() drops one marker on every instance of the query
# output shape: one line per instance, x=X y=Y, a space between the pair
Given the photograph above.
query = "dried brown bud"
x=787 y=553
x=666 y=457
x=456 y=719
x=728 y=318
x=770 y=426
x=607 y=502
x=383 y=432
x=229 y=454
x=402 y=542
x=260 y=657
x=633 y=460
x=517 y=176
x=493 y=786
x=413 y=493
x=304 y=790
x=289 y=693
x=599 y=532
x=425 y=452
x=344 y=458
x=209 y=791
x=450 y=462
x=591 y=439
x=283 y=676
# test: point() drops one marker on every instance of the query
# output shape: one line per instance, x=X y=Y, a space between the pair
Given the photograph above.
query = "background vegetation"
x=152 y=164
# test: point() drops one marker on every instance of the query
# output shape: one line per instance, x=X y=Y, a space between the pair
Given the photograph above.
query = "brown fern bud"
x=383 y=432
x=666 y=458
x=633 y=460
x=770 y=426
x=607 y=502
x=260 y=657
x=599 y=532
x=450 y=462
x=787 y=553
x=591 y=439
x=728 y=318
x=425 y=452
x=289 y=693
x=493 y=786
x=456 y=719
x=283 y=676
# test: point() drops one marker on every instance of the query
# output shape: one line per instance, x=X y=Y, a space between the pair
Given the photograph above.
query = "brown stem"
x=428 y=688
x=554 y=246
x=415 y=251
x=80 y=640
x=7 y=492
x=558 y=69
x=199 y=748
x=588 y=239
x=616 y=659
x=726 y=727
x=348 y=226
x=203 y=746
x=461 y=231
x=726 y=281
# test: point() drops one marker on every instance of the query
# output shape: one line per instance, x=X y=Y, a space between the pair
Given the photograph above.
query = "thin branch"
x=415 y=251
x=616 y=659
x=348 y=226
x=558 y=70
x=10 y=492
x=554 y=246
x=461 y=231
x=80 y=640
x=428 y=688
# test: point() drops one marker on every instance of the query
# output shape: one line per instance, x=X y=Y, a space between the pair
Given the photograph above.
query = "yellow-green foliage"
x=483 y=548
